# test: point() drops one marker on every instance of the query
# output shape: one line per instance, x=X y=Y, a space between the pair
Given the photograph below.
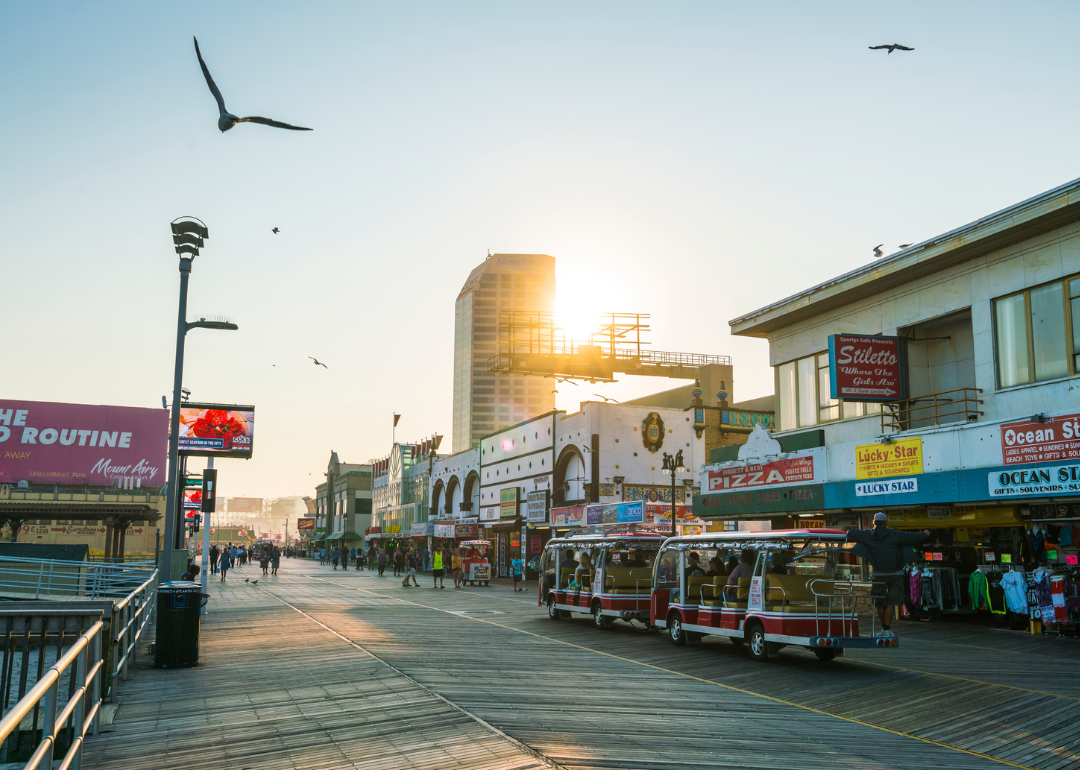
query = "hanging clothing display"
x=1015 y=587
x=1042 y=594
x=977 y=591
x=995 y=594
x=915 y=583
x=1057 y=597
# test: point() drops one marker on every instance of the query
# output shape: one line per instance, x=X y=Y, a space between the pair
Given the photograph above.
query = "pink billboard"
x=49 y=443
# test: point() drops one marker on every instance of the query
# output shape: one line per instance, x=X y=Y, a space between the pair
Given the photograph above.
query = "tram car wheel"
x=675 y=629
x=825 y=655
x=759 y=648
x=600 y=620
x=553 y=611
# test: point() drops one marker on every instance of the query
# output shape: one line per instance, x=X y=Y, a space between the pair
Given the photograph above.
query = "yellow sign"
x=898 y=458
x=392 y=530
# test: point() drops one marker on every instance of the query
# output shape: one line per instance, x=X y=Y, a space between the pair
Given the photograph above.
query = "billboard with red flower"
x=214 y=430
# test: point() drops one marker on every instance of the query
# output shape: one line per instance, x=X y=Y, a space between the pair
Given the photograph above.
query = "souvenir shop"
x=1006 y=566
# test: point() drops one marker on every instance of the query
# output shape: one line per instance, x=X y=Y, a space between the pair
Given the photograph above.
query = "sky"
x=692 y=160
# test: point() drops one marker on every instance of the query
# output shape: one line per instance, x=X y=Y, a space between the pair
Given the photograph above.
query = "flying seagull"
x=877 y=250
x=275 y=231
x=319 y=363
x=226 y=119
x=605 y=398
x=564 y=379
x=893 y=47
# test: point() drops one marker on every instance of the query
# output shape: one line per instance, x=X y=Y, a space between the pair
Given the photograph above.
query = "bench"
x=723 y=595
x=791 y=593
x=618 y=580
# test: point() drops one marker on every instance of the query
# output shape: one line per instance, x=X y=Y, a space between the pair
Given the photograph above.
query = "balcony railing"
x=933 y=409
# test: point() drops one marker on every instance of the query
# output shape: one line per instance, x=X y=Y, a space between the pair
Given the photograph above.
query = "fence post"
x=48 y=722
x=79 y=714
x=127 y=638
x=98 y=679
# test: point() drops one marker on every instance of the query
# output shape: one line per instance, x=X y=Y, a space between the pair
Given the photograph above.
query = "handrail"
x=130 y=619
x=847 y=617
x=47 y=691
x=928 y=410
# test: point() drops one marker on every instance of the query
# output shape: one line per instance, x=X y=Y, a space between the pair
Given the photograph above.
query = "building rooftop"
x=1044 y=212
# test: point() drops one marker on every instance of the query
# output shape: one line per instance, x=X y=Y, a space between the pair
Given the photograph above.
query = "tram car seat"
x=617 y=580
x=565 y=576
x=713 y=592
x=791 y=593
x=693 y=587
x=738 y=596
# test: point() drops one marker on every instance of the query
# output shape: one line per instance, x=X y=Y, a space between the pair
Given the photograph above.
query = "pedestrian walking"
x=412 y=564
x=517 y=568
x=275 y=560
x=455 y=563
x=437 y=568
x=425 y=560
x=215 y=554
x=335 y=556
x=381 y=561
x=360 y=558
x=322 y=556
x=264 y=561
x=399 y=560
x=224 y=563
x=887 y=550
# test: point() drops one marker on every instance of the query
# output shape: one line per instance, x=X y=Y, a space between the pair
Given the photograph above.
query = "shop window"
x=804 y=388
x=1037 y=333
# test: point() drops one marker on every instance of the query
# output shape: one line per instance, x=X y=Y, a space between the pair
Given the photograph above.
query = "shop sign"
x=894 y=487
x=902 y=457
x=730 y=420
x=656 y=514
x=394 y=530
x=466 y=531
x=1027 y=441
x=489 y=513
x=536 y=507
x=568 y=516
x=305 y=524
x=864 y=368
x=1055 y=480
x=423 y=529
x=508 y=502
x=594 y=514
x=444 y=530
x=1051 y=511
x=660 y=494
x=623 y=513
x=373 y=531
x=788 y=470
x=810 y=497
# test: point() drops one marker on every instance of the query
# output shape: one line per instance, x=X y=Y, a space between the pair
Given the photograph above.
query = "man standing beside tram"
x=887 y=550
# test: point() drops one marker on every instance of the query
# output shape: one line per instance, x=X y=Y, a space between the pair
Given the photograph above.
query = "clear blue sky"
x=692 y=160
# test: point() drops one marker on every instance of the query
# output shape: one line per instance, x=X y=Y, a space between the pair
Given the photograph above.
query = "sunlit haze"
x=694 y=161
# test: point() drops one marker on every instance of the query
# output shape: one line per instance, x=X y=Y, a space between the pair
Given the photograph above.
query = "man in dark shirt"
x=888 y=551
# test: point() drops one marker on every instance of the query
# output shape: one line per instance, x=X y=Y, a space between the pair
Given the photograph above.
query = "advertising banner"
x=444 y=530
x=215 y=430
x=489 y=513
x=902 y=457
x=760 y=503
x=789 y=470
x=623 y=513
x=192 y=498
x=50 y=443
x=536 y=508
x=244 y=505
x=1055 y=480
x=594 y=514
x=569 y=516
x=423 y=529
x=864 y=368
x=466 y=531
x=1027 y=441
x=508 y=502
x=305 y=524
x=657 y=513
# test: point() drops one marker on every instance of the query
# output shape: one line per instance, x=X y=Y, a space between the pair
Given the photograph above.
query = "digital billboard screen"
x=216 y=430
x=192 y=498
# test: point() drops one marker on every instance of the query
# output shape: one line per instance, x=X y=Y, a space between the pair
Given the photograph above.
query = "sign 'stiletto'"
x=865 y=368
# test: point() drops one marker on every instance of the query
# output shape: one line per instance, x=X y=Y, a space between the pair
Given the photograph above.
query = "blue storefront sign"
x=624 y=513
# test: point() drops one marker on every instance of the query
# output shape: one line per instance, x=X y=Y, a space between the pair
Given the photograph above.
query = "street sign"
x=866 y=368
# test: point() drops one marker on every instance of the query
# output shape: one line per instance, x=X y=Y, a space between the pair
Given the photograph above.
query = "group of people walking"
x=226 y=557
x=406 y=560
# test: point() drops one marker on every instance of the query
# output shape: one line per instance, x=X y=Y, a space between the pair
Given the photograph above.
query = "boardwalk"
x=324 y=669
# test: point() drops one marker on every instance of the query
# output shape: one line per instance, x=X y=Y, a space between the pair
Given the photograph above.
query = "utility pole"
x=205 y=567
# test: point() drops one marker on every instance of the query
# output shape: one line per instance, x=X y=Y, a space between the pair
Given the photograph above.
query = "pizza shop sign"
x=788 y=470
x=866 y=368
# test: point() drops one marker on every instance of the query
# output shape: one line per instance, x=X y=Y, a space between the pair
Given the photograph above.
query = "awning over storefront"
x=763 y=503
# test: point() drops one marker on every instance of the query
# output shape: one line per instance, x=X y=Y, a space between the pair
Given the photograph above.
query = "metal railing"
x=81 y=713
x=843 y=593
x=27 y=645
x=933 y=409
x=28 y=579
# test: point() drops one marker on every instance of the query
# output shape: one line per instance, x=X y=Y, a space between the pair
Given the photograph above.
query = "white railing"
x=23 y=578
x=79 y=716
x=130 y=618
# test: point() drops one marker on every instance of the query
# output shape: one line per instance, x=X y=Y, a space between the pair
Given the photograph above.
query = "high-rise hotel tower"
x=485 y=402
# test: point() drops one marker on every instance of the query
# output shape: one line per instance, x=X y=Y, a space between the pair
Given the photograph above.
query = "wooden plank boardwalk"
x=324 y=669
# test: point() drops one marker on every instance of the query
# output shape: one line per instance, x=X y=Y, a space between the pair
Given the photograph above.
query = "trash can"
x=177 y=643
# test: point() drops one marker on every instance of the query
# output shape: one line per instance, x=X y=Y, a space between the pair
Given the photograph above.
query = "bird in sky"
x=226 y=119
x=564 y=379
x=893 y=47
x=904 y=245
x=318 y=362
x=275 y=231
x=877 y=250
x=605 y=398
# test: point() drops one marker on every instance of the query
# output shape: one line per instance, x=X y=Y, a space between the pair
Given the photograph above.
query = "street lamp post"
x=673 y=465
x=189 y=235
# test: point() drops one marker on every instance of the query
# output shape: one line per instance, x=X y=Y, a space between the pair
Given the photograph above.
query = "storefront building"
x=400 y=495
x=937 y=384
x=343 y=504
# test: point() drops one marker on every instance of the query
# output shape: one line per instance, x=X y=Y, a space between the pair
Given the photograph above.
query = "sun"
x=578 y=323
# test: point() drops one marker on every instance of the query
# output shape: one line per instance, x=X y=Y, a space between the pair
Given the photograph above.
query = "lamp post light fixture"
x=189 y=235
x=673 y=465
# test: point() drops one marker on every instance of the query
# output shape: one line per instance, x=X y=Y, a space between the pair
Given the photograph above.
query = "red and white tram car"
x=608 y=576
x=795 y=587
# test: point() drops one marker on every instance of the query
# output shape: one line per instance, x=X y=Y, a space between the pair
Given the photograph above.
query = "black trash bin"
x=177 y=643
